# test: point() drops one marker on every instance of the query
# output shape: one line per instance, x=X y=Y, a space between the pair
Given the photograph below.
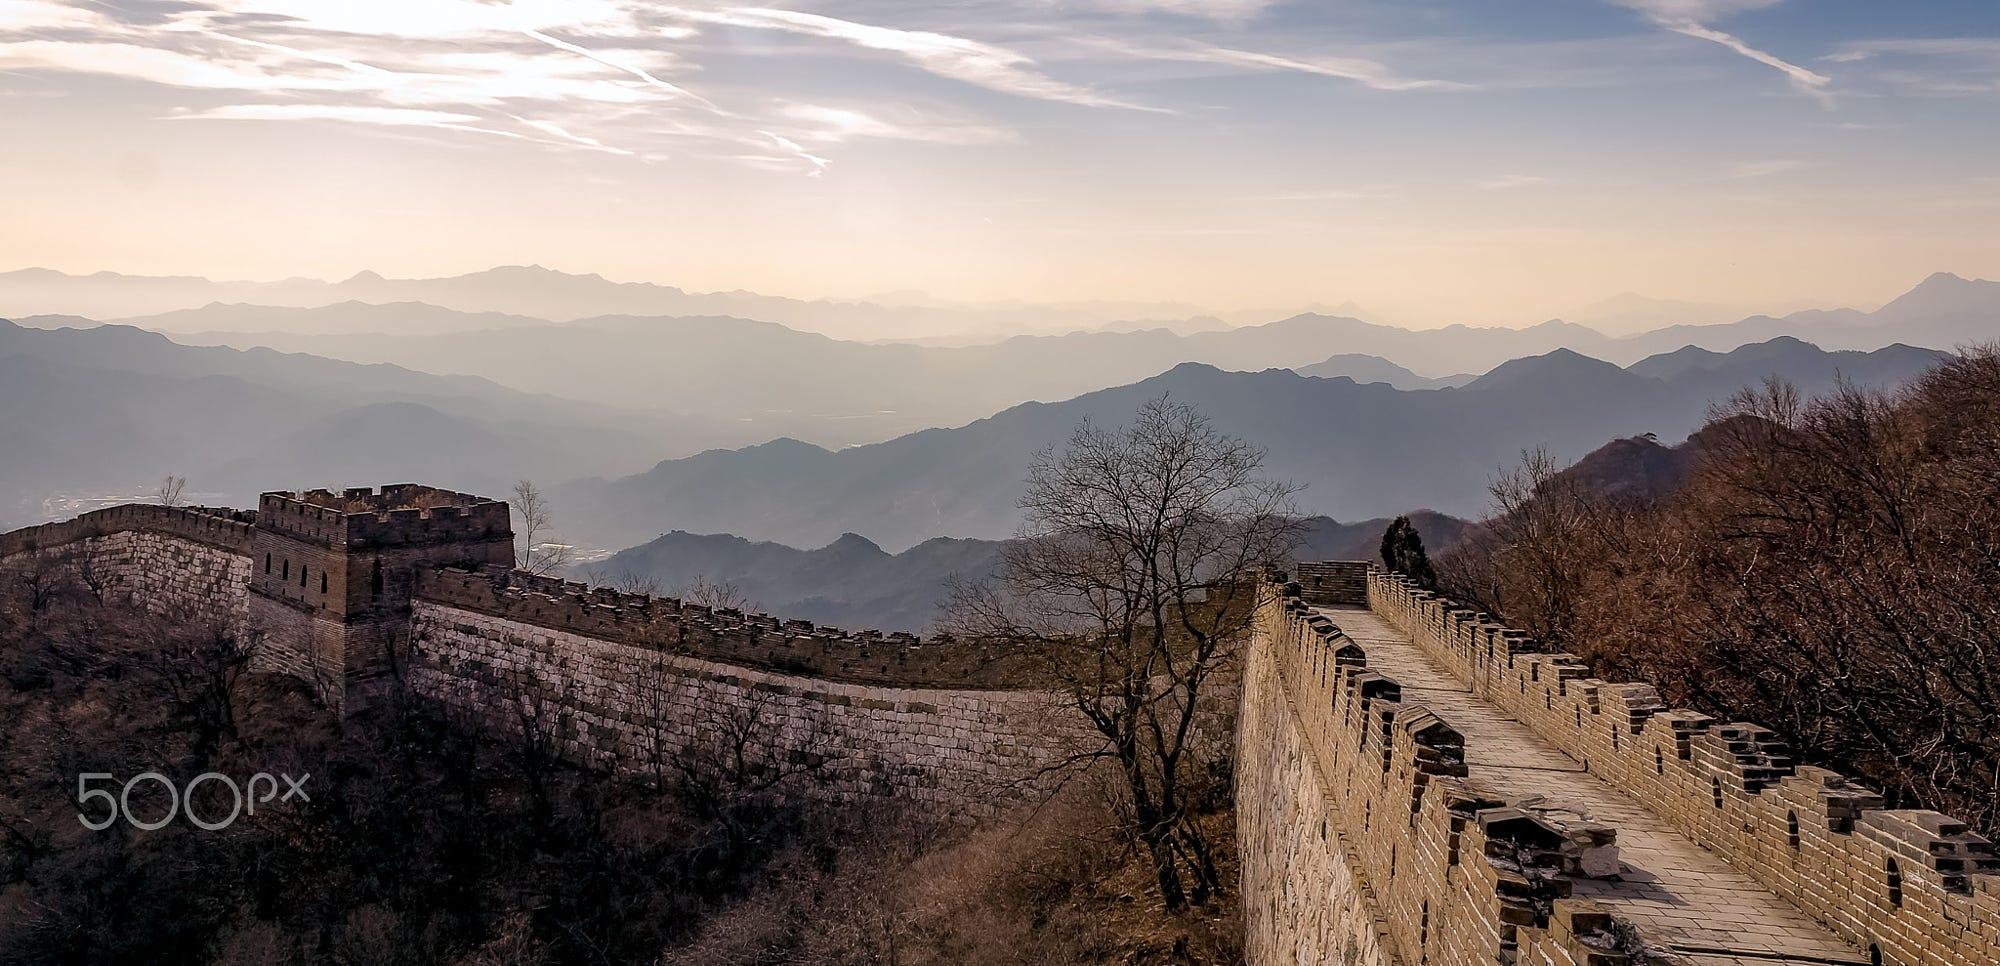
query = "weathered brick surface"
x=626 y=706
x=159 y=570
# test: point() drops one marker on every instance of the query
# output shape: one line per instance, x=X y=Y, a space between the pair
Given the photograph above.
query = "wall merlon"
x=1917 y=886
x=1446 y=870
x=760 y=640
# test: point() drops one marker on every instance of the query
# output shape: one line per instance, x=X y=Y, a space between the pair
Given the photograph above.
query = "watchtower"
x=331 y=574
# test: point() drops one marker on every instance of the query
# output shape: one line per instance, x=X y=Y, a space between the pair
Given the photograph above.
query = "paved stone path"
x=1675 y=890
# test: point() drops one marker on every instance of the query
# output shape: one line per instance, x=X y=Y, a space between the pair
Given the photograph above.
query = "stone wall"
x=186 y=563
x=1333 y=583
x=635 y=679
x=1911 y=887
x=624 y=704
x=1363 y=841
x=619 y=680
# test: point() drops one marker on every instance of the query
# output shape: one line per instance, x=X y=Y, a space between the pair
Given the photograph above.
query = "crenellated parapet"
x=726 y=635
x=1451 y=871
x=1912 y=887
x=397 y=515
x=223 y=529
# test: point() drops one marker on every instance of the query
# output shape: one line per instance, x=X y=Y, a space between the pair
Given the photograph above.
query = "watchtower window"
x=302 y=576
x=1792 y=830
x=1715 y=788
x=287 y=574
x=1659 y=761
x=1895 y=877
x=322 y=581
x=267 y=563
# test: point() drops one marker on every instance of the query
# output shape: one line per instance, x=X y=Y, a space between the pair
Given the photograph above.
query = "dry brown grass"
x=1053 y=886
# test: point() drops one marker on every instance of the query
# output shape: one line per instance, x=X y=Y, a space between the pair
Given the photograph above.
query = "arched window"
x=267 y=563
x=287 y=575
x=302 y=576
x=322 y=581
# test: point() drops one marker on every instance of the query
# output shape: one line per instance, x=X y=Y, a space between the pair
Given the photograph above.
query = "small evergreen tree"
x=1403 y=553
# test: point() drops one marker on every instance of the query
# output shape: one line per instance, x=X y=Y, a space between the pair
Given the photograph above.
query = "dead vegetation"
x=1830 y=568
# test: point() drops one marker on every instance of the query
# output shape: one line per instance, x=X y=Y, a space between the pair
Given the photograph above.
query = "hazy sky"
x=1478 y=161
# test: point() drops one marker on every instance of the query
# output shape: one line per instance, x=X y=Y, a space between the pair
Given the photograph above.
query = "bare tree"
x=625 y=581
x=715 y=594
x=45 y=578
x=198 y=669
x=535 y=550
x=1129 y=588
x=169 y=491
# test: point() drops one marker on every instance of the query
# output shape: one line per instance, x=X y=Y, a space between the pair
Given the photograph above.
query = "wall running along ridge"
x=185 y=563
x=1363 y=844
x=345 y=589
x=1911 y=886
x=613 y=675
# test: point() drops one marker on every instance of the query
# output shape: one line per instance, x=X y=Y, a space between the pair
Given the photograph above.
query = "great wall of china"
x=1416 y=784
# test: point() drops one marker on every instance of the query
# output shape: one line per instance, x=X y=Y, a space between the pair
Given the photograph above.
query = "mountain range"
x=854 y=583
x=840 y=393
x=550 y=294
x=110 y=410
x=1365 y=449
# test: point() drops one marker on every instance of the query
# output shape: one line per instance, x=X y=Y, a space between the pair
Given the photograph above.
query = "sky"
x=1484 y=162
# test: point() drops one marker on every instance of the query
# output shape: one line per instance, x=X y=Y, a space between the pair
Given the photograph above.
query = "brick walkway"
x=1676 y=891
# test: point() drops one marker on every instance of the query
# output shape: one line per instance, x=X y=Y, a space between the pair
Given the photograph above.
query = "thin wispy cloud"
x=836 y=124
x=1229 y=11
x=328 y=112
x=1369 y=73
x=1692 y=18
x=1762 y=169
x=958 y=58
x=639 y=72
x=819 y=164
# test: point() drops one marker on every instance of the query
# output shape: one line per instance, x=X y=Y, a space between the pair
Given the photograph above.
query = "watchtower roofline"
x=396 y=515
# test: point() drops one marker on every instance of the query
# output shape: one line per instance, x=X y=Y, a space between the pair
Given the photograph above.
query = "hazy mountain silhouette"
x=839 y=393
x=853 y=583
x=105 y=410
x=1366 y=450
x=1944 y=310
x=547 y=293
x=1361 y=368
x=392 y=318
x=733 y=368
x=783 y=381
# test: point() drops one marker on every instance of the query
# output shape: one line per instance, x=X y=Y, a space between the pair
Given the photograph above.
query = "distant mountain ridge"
x=838 y=393
x=535 y=291
x=109 y=410
x=854 y=583
x=1367 y=450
